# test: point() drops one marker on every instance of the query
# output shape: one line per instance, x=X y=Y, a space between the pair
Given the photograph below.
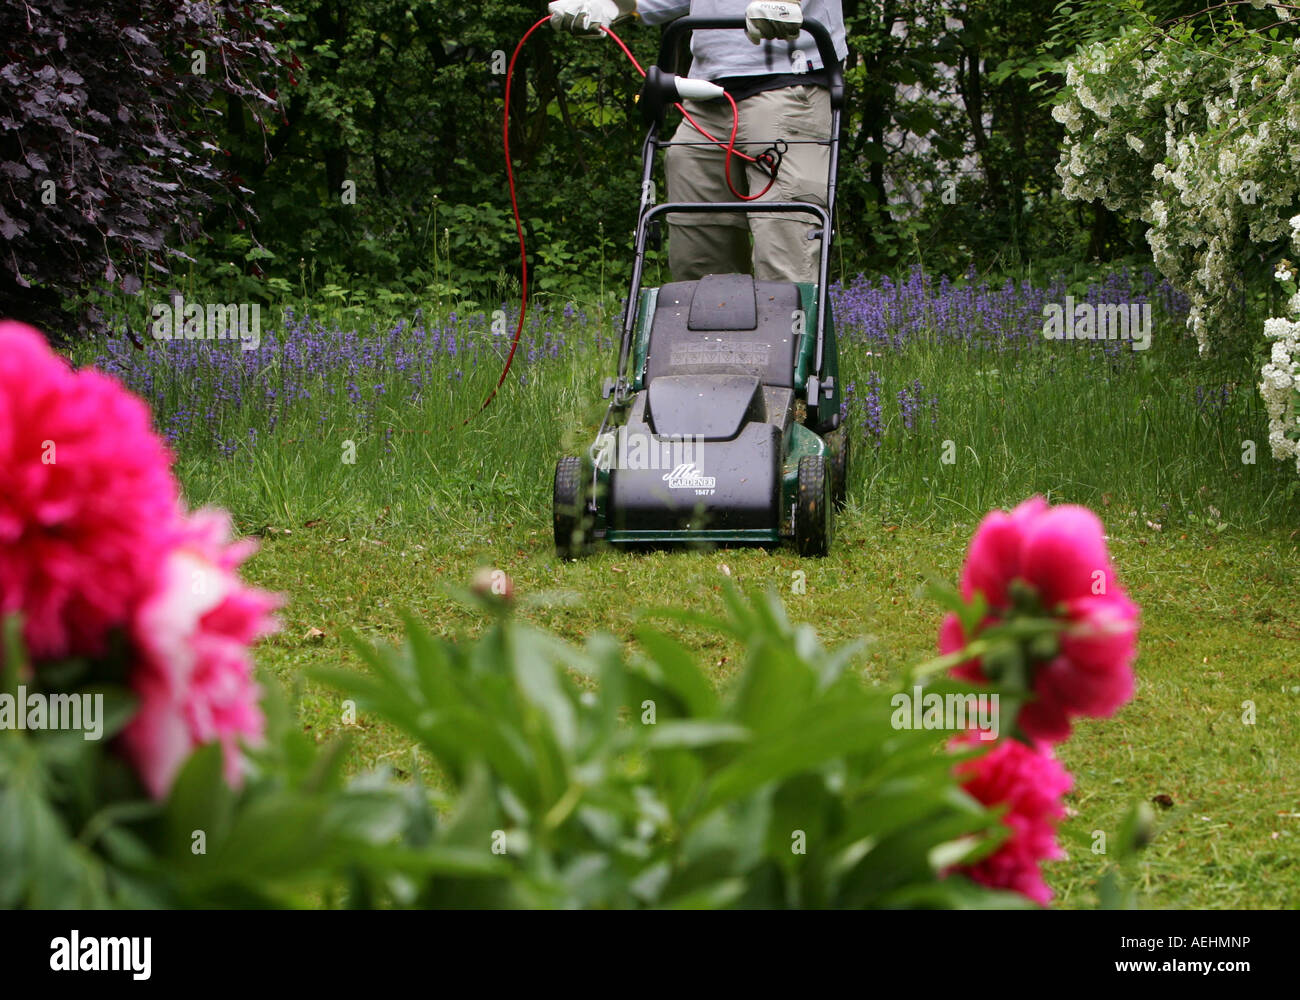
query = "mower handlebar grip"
x=677 y=30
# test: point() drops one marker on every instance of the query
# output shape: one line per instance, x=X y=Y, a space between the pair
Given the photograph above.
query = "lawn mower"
x=723 y=424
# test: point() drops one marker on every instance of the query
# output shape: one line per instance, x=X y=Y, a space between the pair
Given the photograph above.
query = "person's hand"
x=772 y=19
x=587 y=17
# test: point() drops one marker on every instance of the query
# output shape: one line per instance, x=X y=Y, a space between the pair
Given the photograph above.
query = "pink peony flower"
x=1030 y=781
x=87 y=499
x=195 y=675
x=1060 y=554
x=93 y=539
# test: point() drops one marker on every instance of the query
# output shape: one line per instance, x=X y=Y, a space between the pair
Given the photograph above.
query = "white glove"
x=587 y=17
x=773 y=19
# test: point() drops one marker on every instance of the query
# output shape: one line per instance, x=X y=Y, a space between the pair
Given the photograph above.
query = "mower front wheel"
x=573 y=522
x=814 y=511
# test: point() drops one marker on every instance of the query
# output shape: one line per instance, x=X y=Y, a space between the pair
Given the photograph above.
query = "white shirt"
x=718 y=54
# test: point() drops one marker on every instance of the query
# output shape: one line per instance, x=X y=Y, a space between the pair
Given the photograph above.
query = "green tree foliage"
x=403 y=99
x=401 y=103
x=382 y=169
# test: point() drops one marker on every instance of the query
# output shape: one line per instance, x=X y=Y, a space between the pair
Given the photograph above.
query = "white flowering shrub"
x=1281 y=374
x=1193 y=125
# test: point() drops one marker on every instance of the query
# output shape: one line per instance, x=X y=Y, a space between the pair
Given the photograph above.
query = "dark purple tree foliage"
x=107 y=160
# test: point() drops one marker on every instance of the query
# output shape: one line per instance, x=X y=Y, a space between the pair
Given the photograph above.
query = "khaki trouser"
x=720 y=244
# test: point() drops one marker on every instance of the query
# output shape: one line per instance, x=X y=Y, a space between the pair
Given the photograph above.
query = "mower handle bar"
x=709 y=207
x=676 y=31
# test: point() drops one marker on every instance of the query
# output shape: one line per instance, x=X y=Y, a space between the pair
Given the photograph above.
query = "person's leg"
x=782 y=250
x=704 y=244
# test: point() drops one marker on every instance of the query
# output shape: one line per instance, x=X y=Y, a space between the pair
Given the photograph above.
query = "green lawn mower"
x=723 y=424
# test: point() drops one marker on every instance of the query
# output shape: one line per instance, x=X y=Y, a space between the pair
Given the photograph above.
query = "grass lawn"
x=1216 y=634
x=346 y=451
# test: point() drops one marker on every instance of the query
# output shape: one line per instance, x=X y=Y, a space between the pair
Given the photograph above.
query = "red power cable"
x=519 y=226
x=735 y=122
x=514 y=200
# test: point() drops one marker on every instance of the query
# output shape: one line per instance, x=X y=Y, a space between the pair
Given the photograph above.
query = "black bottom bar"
x=912 y=952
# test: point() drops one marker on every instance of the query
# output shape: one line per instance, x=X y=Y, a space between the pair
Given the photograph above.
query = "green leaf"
x=679 y=672
x=200 y=801
x=774 y=688
x=676 y=734
x=817 y=734
x=715 y=896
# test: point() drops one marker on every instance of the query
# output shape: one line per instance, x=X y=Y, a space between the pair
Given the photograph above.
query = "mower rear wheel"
x=837 y=443
x=814 y=510
x=573 y=522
